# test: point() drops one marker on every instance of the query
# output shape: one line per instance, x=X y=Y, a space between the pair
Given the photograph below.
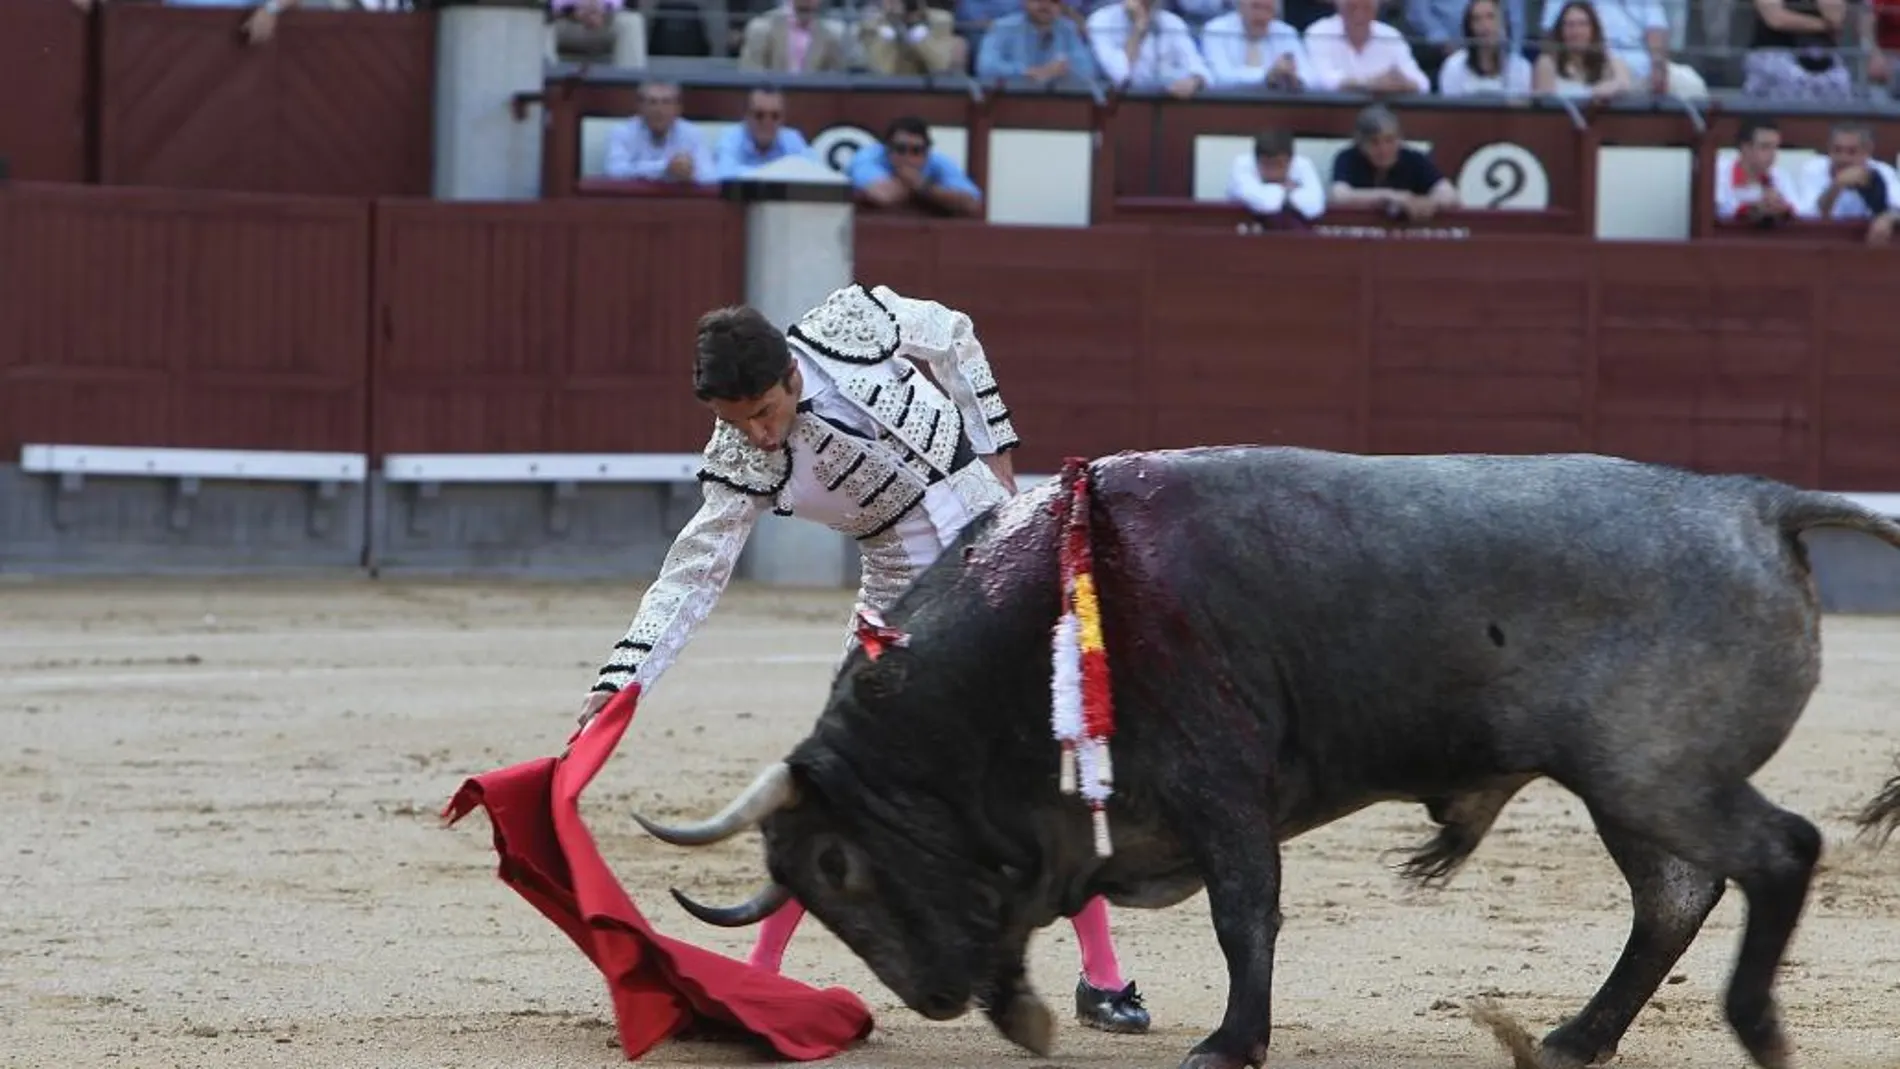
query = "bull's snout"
x=943 y=1005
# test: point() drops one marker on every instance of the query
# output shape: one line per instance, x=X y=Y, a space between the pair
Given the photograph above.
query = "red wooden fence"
x=251 y=321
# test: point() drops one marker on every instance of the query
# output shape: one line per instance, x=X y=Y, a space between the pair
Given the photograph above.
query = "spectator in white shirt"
x=1757 y=189
x=1848 y=183
x=1273 y=182
x=657 y=145
x=1487 y=64
x=1577 y=61
x=1251 y=46
x=1354 y=51
x=1139 y=45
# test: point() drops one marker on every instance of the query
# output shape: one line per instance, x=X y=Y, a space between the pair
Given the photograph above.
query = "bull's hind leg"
x=1669 y=900
x=1736 y=834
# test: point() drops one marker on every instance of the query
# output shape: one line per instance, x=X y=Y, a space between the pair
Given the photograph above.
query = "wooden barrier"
x=400 y=326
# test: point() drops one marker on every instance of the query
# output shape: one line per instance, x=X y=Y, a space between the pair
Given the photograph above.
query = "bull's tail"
x=1881 y=817
x=1799 y=510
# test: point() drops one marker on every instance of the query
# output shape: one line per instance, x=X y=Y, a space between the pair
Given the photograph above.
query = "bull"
x=1298 y=635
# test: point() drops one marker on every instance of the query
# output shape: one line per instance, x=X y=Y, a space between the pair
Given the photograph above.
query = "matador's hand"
x=593 y=705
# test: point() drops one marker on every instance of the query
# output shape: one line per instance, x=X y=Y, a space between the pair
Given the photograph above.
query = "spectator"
x=908 y=37
x=1443 y=29
x=1793 y=53
x=1354 y=51
x=1576 y=60
x=1251 y=46
x=1271 y=179
x=1637 y=32
x=793 y=40
x=975 y=19
x=687 y=27
x=759 y=138
x=905 y=169
x=588 y=27
x=1138 y=44
x=1378 y=171
x=1880 y=32
x=1037 y=43
x=657 y=145
x=1758 y=189
x=1490 y=62
x=1848 y=183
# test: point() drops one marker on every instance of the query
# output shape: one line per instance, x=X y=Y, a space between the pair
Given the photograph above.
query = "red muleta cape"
x=659 y=985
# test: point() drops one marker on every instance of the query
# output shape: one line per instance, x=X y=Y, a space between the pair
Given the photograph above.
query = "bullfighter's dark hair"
x=740 y=355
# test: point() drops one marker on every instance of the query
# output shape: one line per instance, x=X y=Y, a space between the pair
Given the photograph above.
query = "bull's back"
x=1484 y=590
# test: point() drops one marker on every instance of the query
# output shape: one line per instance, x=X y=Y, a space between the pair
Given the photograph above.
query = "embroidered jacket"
x=859 y=485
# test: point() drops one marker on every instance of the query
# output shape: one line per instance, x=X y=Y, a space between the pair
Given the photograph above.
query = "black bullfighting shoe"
x=1110 y=1011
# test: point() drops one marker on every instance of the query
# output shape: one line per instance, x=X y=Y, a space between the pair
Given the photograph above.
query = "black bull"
x=1294 y=636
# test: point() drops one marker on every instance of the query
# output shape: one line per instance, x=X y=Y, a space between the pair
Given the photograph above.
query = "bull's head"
x=892 y=875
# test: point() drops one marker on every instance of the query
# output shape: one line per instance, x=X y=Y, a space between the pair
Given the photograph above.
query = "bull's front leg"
x=1242 y=866
x=1017 y=1012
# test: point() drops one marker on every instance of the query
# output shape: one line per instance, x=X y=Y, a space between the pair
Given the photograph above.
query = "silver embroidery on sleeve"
x=692 y=577
x=946 y=340
x=739 y=464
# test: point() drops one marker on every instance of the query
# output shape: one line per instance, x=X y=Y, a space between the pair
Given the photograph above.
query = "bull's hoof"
x=1207 y=1059
x=1027 y=1022
x=1110 y=1011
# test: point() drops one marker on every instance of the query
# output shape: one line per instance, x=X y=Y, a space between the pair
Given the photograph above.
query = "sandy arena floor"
x=222 y=850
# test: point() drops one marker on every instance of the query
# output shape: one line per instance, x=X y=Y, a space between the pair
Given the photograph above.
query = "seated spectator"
x=1757 y=188
x=1251 y=46
x=593 y=27
x=759 y=138
x=1636 y=32
x=975 y=19
x=1488 y=64
x=904 y=169
x=1354 y=51
x=657 y=145
x=1270 y=180
x=910 y=38
x=1037 y=43
x=793 y=39
x=1379 y=171
x=1139 y=45
x=1440 y=29
x=1576 y=61
x=1793 y=53
x=1880 y=33
x=1848 y=183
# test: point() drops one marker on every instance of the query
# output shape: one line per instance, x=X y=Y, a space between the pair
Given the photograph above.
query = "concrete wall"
x=147 y=526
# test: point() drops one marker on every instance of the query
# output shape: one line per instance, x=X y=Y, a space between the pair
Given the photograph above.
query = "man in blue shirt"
x=758 y=139
x=906 y=170
x=1037 y=43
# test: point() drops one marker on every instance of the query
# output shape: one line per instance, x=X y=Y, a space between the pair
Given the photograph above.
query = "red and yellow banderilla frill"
x=1082 y=711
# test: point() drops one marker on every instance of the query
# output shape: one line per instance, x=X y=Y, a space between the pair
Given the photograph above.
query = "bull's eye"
x=832 y=866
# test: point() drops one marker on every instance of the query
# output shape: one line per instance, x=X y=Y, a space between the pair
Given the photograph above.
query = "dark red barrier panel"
x=43 y=116
x=1674 y=352
x=338 y=102
x=148 y=317
x=552 y=327
x=1797 y=230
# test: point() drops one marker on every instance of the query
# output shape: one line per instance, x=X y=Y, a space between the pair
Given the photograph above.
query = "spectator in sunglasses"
x=904 y=169
x=759 y=139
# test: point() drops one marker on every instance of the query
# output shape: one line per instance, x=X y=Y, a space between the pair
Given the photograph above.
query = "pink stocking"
x=775 y=933
x=1099 y=966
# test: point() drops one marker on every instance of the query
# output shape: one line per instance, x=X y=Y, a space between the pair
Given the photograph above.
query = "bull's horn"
x=773 y=790
x=761 y=906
